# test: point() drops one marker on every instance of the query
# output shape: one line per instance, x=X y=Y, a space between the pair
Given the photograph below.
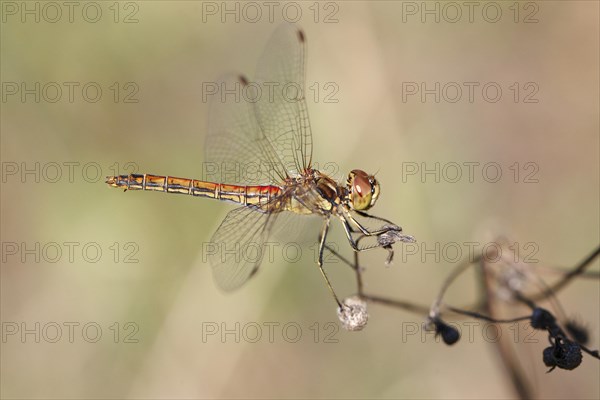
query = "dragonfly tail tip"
x=111 y=180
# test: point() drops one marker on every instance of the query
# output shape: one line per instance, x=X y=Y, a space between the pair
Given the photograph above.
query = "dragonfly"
x=272 y=129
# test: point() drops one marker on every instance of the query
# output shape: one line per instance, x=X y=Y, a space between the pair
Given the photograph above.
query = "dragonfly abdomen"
x=259 y=195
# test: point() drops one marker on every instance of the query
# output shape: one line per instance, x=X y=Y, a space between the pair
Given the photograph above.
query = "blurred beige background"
x=372 y=52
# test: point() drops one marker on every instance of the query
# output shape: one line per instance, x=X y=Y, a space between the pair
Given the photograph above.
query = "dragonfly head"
x=363 y=190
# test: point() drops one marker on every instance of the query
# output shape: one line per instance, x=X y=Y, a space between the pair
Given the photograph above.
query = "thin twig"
x=456 y=272
x=488 y=303
x=405 y=305
x=510 y=362
x=569 y=276
x=486 y=318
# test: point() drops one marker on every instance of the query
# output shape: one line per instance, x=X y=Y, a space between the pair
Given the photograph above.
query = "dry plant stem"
x=405 y=305
x=483 y=317
x=510 y=362
x=561 y=272
x=568 y=276
x=489 y=304
x=435 y=308
x=359 y=281
x=578 y=270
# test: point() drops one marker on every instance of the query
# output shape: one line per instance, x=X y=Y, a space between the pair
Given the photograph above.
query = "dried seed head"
x=450 y=334
x=564 y=354
x=353 y=314
x=542 y=319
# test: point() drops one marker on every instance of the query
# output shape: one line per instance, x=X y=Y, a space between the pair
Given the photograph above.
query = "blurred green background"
x=161 y=57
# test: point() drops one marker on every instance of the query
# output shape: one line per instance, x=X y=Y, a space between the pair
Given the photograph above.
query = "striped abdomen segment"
x=246 y=195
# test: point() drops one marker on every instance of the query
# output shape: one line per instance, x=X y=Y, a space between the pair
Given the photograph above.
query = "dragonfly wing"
x=238 y=246
x=281 y=109
x=236 y=150
x=259 y=132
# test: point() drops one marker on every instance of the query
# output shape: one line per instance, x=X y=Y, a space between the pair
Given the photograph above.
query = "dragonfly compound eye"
x=363 y=188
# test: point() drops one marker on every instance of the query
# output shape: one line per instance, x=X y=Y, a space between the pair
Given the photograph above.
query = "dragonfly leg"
x=364 y=214
x=349 y=231
x=354 y=243
x=322 y=238
x=365 y=231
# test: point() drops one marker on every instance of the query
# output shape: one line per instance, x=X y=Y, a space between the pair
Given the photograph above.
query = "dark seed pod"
x=450 y=334
x=549 y=359
x=564 y=354
x=542 y=319
x=571 y=356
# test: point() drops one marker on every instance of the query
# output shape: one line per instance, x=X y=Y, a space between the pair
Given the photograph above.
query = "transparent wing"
x=238 y=246
x=236 y=150
x=281 y=109
x=259 y=132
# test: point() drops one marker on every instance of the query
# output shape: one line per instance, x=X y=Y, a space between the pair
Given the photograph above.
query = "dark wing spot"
x=301 y=35
x=243 y=80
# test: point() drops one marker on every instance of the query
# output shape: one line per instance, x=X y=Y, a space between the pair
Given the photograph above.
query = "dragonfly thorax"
x=312 y=192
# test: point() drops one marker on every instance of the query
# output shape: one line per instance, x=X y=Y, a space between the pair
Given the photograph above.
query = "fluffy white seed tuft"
x=353 y=314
